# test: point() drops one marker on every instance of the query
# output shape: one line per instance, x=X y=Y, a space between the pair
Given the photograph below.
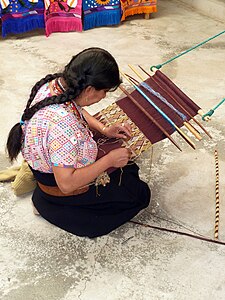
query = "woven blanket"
x=19 y=16
x=133 y=7
x=101 y=13
x=63 y=16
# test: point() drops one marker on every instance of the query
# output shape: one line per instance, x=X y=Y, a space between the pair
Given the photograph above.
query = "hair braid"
x=93 y=67
x=14 y=141
x=28 y=113
x=39 y=84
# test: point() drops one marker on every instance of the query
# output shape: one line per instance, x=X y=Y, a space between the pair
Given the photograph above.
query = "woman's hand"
x=120 y=130
x=71 y=179
x=119 y=157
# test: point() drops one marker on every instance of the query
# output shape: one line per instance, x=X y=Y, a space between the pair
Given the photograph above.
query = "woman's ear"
x=89 y=89
x=89 y=92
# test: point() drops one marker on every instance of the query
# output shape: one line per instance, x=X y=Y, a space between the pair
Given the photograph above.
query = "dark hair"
x=94 y=67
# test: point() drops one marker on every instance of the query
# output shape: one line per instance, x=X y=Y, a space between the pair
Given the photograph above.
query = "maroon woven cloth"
x=160 y=83
x=166 y=88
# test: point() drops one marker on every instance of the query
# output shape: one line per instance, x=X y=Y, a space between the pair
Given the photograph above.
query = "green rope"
x=186 y=51
x=211 y=111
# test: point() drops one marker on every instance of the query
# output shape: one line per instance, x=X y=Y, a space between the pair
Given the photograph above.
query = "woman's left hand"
x=120 y=130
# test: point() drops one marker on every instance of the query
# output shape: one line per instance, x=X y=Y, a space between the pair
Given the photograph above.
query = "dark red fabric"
x=163 y=85
x=166 y=88
x=173 y=90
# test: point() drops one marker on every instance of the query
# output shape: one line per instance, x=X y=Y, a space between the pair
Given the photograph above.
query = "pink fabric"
x=63 y=16
x=54 y=136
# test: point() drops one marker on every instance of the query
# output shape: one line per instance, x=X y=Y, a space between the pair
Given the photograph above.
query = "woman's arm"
x=70 y=179
x=92 y=122
x=116 y=130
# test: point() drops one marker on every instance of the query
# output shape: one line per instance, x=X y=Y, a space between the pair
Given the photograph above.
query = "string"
x=187 y=139
x=121 y=174
x=176 y=223
x=186 y=51
x=199 y=237
x=128 y=146
x=147 y=87
x=211 y=111
x=166 y=219
x=193 y=235
x=178 y=103
x=103 y=141
x=161 y=218
x=151 y=162
x=160 y=97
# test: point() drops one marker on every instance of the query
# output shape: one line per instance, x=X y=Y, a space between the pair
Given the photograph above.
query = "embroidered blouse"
x=54 y=136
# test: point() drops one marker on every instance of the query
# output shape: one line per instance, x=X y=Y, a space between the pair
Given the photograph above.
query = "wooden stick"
x=149 y=116
x=217 y=212
x=181 y=106
x=193 y=130
x=185 y=122
x=187 y=139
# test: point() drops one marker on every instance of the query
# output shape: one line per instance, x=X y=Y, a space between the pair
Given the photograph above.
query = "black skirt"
x=91 y=214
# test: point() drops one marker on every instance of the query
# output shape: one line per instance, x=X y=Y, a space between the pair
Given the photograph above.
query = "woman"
x=55 y=138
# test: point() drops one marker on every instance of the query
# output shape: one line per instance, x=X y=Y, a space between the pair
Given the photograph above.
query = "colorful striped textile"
x=133 y=7
x=101 y=13
x=19 y=16
x=63 y=16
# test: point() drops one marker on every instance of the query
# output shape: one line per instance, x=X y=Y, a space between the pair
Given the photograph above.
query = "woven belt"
x=55 y=191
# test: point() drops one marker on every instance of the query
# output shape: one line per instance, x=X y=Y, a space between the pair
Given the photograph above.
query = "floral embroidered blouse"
x=55 y=136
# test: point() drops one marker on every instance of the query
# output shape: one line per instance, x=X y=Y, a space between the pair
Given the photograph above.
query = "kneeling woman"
x=55 y=138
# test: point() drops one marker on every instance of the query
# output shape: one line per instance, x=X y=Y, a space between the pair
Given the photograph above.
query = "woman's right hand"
x=119 y=157
x=71 y=179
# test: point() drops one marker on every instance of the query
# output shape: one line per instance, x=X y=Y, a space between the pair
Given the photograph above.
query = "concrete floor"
x=212 y=8
x=41 y=262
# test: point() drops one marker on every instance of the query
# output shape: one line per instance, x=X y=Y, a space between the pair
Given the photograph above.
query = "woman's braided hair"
x=92 y=67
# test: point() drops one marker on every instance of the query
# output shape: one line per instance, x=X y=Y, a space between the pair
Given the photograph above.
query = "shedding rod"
x=185 y=137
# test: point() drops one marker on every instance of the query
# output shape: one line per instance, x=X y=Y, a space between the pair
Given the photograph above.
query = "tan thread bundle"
x=138 y=141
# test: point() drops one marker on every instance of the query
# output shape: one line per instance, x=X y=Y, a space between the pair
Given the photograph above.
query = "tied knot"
x=21 y=122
